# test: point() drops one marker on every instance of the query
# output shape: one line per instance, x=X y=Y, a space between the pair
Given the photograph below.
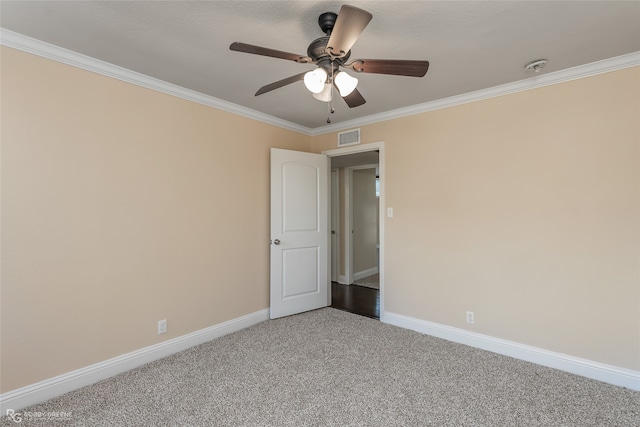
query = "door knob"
x=276 y=242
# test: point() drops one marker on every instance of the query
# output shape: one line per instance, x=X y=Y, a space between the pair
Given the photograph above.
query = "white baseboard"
x=365 y=273
x=575 y=365
x=342 y=279
x=57 y=386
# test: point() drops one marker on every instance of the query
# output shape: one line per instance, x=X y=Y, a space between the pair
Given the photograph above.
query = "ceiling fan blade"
x=280 y=83
x=350 y=23
x=354 y=99
x=397 y=67
x=257 y=50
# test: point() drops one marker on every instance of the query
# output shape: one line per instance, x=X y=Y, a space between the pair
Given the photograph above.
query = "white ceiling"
x=470 y=45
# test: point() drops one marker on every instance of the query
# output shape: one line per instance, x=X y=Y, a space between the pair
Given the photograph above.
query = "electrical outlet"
x=470 y=317
x=162 y=326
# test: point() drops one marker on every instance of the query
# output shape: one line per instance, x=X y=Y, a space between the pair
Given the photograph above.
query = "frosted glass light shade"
x=345 y=83
x=325 y=94
x=314 y=80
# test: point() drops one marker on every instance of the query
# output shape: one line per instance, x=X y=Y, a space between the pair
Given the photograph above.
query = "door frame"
x=360 y=148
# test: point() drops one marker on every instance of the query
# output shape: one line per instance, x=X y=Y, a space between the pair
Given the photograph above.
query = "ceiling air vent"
x=349 y=137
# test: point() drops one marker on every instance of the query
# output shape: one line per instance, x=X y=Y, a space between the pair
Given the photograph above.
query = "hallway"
x=356 y=299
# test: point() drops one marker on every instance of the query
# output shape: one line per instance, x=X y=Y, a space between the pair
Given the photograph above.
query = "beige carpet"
x=372 y=281
x=332 y=368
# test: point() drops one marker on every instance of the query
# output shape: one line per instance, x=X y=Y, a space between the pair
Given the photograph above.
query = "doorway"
x=357 y=228
x=362 y=213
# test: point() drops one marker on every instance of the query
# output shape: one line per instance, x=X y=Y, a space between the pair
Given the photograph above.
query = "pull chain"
x=330 y=109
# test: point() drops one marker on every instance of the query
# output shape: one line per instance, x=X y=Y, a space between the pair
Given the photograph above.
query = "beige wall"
x=524 y=209
x=122 y=206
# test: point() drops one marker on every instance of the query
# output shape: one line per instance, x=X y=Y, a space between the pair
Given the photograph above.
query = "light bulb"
x=314 y=80
x=325 y=94
x=345 y=83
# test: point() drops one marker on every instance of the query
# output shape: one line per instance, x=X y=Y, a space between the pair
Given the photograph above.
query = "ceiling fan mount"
x=331 y=52
x=326 y=21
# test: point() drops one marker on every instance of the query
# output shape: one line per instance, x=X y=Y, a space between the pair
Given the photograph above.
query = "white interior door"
x=299 y=232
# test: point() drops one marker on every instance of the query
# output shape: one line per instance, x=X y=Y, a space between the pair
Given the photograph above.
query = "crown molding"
x=579 y=72
x=46 y=50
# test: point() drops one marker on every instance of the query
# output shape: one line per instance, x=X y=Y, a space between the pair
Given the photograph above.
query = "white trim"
x=342 y=279
x=574 y=73
x=575 y=365
x=365 y=273
x=65 y=56
x=57 y=386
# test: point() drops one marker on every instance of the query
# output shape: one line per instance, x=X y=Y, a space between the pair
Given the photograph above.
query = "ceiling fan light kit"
x=314 y=80
x=325 y=95
x=331 y=52
x=345 y=83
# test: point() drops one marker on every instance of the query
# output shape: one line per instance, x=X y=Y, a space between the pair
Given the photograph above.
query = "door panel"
x=302 y=268
x=300 y=187
x=299 y=232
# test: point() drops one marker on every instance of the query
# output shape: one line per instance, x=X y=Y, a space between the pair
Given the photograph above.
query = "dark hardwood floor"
x=356 y=299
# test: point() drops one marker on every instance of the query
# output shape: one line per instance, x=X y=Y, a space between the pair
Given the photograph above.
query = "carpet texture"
x=372 y=281
x=332 y=368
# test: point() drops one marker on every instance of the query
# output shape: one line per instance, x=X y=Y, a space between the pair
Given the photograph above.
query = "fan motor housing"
x=317 y=50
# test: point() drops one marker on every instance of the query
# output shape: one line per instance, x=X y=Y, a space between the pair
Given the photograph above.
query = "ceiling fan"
x=330 y=53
